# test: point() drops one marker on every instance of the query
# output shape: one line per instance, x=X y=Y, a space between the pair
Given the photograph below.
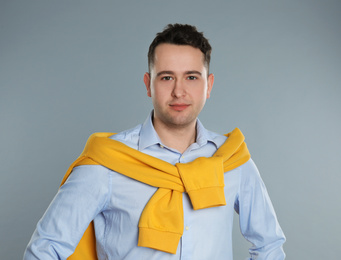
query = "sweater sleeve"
x=77 y=202
x=257 y=218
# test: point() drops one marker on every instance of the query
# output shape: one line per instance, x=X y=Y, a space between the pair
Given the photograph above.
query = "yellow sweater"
x=161 y=222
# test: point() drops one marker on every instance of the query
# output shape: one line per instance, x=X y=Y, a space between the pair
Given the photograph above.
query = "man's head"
x=181 y=34
x=178 y=80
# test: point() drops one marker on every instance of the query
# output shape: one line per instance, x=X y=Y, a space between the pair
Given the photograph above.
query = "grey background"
x=71 y=68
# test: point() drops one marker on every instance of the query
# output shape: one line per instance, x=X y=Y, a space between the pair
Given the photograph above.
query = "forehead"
x=177 y=57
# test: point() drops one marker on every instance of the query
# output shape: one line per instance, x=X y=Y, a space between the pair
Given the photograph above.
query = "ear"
x=146 y=80
x=210 y=81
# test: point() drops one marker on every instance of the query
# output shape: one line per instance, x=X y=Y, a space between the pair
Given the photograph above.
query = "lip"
x=179 y=107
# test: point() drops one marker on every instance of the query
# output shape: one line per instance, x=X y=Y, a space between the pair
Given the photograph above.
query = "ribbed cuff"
x=159 y=240
x=207 y=197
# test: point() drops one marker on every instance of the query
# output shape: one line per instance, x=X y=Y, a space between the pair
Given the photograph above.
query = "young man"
x=166 y=189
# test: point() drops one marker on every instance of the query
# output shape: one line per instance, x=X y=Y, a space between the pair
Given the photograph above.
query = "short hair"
x=181 y=34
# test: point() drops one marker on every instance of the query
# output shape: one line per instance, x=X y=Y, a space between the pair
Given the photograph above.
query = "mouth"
x=179 y=107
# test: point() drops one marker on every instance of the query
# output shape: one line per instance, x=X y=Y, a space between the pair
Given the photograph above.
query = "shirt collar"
x=149 y=137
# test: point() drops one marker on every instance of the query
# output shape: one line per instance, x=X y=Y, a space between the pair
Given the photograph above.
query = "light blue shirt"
x=115 y=202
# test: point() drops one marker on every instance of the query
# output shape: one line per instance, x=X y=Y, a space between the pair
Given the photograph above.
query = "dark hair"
x=181 y=34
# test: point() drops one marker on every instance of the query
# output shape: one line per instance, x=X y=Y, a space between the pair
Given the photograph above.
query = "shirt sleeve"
x=83 y=196
x=257 y=218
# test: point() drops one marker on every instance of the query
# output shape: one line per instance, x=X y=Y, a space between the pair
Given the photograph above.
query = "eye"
x=191 y=77
x=166 y=78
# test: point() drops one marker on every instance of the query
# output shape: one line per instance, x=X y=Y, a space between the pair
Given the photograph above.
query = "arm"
x=76 y=204
x=258 y=221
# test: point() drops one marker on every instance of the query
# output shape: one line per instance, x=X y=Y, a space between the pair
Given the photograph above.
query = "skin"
x=179 y=85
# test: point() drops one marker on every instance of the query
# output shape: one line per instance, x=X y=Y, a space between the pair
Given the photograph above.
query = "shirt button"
x=187 y=228
x=162 y=146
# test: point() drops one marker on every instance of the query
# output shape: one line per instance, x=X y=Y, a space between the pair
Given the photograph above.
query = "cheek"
x=162 y=90
x=201 y=94
x=154 y=92
x=159 y=95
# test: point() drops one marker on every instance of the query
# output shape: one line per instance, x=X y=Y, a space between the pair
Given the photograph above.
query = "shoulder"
x=92 y=181
x=129 y=137
x=85 y=171
x=250 y=176
x=250 y=167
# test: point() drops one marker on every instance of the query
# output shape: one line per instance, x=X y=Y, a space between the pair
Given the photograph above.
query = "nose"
x=179 y=89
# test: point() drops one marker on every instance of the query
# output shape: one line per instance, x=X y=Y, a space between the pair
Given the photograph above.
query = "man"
x=166 y=189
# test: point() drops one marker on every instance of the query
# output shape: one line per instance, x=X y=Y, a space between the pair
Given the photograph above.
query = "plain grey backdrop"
x=71 y=68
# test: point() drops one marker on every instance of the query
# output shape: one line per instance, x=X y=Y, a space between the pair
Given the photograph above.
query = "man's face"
x=178 y=85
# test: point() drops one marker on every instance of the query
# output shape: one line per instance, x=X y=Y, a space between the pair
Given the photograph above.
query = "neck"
x=179 y=138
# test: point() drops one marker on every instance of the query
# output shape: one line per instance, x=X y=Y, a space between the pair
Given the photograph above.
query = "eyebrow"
x=164 y=72
x=169 y=72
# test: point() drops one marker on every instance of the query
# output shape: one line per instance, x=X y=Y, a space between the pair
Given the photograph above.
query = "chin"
x=182 y=122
